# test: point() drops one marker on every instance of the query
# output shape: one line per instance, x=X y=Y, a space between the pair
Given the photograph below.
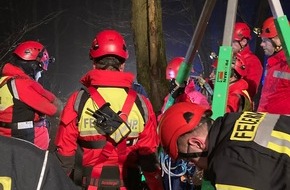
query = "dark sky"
x=67 y=28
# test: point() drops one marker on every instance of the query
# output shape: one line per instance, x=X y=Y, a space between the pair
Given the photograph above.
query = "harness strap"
x=98 y=144
x=92 y=144
x=126 y=109
x=107 y=145
x=40 y=123
x=127 y=106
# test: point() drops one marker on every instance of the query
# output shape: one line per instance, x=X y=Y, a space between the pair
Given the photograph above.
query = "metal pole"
x=185 y=67
x=224 y=62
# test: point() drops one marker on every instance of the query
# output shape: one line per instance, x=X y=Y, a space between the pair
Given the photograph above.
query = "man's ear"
x=277 y=40
x=122 y=67
x=197 y=142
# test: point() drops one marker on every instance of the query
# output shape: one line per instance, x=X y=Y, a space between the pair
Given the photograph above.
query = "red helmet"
x=33 y=51
x=180 y=118
x=241 y=31
x=172 y=67
x=269 y=29
x=109 y=42
x=239 y=65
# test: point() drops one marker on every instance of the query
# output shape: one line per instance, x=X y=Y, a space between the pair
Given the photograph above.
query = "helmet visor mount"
x=44 y=59
x=44 y=63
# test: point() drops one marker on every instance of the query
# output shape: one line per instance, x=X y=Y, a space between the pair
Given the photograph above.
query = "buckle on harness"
x=109 y=179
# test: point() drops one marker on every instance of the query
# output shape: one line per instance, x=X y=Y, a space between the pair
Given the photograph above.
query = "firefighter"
x=24 y=166
x=24 y=102
x=114 y=126
x=178 y=171
x=238 y=96
x=254 y=69
x=247 y=150
x=275 y=95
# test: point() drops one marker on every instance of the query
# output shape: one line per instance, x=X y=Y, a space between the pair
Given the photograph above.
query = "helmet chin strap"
x=192 y=155
x=242 y=47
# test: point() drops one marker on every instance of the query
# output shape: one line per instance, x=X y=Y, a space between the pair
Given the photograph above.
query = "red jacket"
x=238 y=100
x=275 y=95
x=25 y=101
x=254 y=70
x=111 y=85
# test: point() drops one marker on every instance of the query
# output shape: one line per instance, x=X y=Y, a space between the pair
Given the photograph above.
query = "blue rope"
x=174 y=169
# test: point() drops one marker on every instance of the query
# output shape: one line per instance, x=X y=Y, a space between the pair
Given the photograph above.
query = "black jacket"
x=22 y=165
x=250 y=150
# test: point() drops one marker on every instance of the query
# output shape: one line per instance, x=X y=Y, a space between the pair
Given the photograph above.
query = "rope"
x=182 y=168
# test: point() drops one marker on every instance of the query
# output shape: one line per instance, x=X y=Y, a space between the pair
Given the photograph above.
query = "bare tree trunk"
x=149 y=49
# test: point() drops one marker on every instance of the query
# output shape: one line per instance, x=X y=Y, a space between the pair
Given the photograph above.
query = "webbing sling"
x=126 y=109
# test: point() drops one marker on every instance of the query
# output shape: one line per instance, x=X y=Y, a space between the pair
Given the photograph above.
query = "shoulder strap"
x=126 y=109
x=127 y=106
x=96 y=96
